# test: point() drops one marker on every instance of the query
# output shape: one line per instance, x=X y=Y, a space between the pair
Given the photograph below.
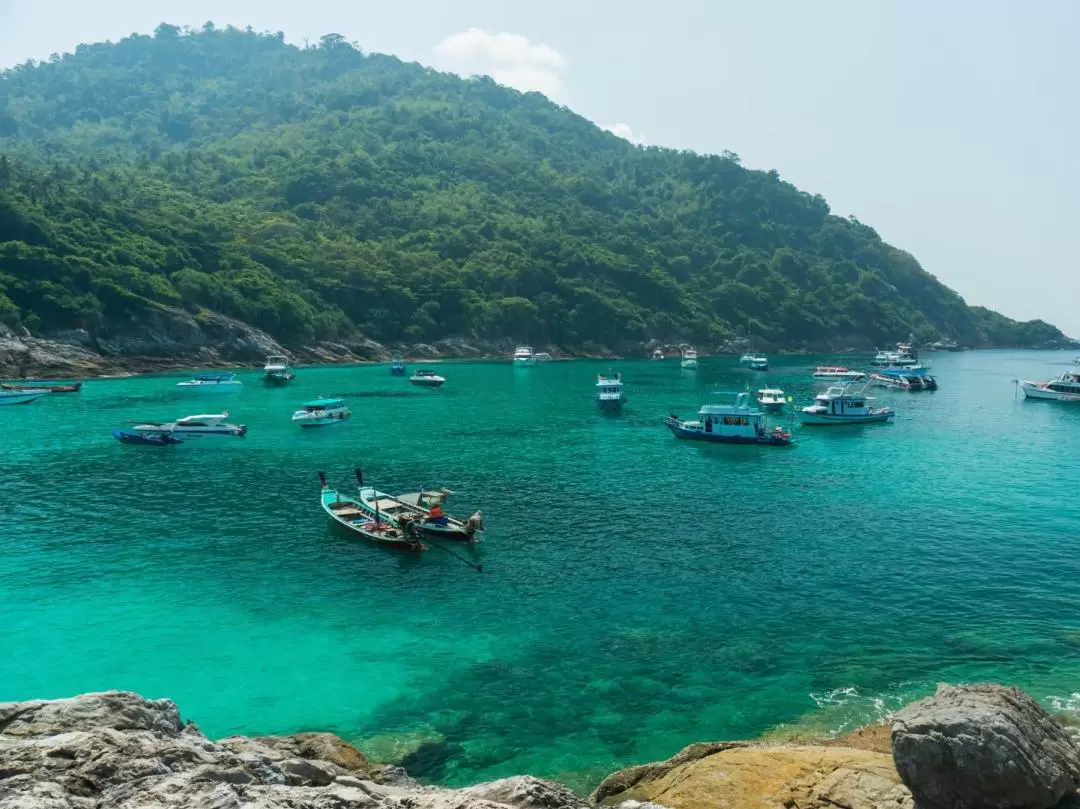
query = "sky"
x=952 y=128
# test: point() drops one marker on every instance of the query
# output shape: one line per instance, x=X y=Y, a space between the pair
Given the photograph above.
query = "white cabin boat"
x=736 y=423
x=276 y=370
x=426 y=379
x=837 y=373
x=841 y=405
x=1066 y=388
x=903 y=356
x=759 y=362
x=202 y=426
x=542 y=356
x=524 y=356
x=746 y=359
x=609 y=391
x=658 y=354
x=771 y=399
x=689 y=358
x=216 y=383
x=322 y=413
x=18 y=397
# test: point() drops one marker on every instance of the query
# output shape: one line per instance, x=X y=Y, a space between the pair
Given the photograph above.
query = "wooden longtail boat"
x=353 y=518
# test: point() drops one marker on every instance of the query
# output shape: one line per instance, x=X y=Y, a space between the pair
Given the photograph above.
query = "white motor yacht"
x=201 y=426
x=524 y=356
x=1066 y=388
x=841 y=405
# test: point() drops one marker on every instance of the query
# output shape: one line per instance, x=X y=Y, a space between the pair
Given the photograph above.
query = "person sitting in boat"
x=437 y=516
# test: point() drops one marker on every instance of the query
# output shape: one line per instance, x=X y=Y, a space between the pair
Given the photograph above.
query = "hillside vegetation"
x=323 y=192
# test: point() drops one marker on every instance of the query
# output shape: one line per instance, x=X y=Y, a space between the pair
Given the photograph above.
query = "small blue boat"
x=145 y=439
x=737 y=423
x=397 y=367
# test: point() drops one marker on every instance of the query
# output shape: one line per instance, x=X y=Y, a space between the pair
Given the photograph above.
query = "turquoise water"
x=639 y=593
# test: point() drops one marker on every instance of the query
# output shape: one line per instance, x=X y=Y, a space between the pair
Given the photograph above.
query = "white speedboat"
x=841 y=405
x=1066 y=388
x=322 y=413
x=524 y=356
x=427 y=379
x=204 y=426
x=18 y=397
x=543 y=356
x=609 y=391
x=276 y=370
x=771 y=399
x=689 y=358
x=837 y=373
x=217 y=383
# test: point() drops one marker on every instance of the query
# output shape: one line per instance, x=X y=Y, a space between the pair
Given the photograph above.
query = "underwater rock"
x=983 y=747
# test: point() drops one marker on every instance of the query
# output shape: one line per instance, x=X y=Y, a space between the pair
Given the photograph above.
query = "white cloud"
x=626 y=133
x=510 y=59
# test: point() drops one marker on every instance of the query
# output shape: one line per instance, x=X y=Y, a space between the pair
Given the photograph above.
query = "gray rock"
x=983 y=747
x=526 y=792
x=117 y=750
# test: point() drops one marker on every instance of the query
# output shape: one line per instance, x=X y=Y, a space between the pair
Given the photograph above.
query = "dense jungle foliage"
x=319 y=192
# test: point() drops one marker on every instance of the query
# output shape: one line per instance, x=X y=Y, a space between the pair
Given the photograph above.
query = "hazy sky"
x=950 y=127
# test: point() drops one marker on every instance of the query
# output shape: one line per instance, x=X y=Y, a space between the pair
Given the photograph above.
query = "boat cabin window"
x=856 y=404
x=736 y=420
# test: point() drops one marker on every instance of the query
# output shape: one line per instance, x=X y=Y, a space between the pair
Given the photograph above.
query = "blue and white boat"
x=202 y=426
x=397 y=366
x=524 y=357
x=217 y=383
x=737 y=423
x=689 y=358
x=19 y=397
x=322 y=412
x=759 y=362
x=841 y=404
x=160 y=439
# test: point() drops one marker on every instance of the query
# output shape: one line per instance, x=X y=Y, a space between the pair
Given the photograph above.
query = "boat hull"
x=771 y=407
x=13 y=398
x=826 y=420
x=610 y=404
x=144 y=439
x=453 y=530
x=278 y=380
x=323 y=421
x=222 y=431
x=766 y=440
x=211 y=387
x=75 y=388
x=1033 y=390
x=427 y=383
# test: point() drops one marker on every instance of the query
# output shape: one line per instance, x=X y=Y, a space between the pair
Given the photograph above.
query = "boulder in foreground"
x=983 y=747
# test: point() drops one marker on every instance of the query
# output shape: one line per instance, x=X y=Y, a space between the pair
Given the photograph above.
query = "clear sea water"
x=639 y=593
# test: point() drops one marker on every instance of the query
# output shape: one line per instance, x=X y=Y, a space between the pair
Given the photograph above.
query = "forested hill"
x=323 y=192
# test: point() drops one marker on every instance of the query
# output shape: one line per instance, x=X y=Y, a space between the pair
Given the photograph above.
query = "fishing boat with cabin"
x=841 y=404
x=771 y=399
x=736 y=423
x=322 y=412
x=759 y=362
x=276 y=371
x=422 y=510
x=1066 y=388
x=349 y=514
x=689 y=358
x=212 y=383
x=202 y=426
x=427 y=379
x=609 y=391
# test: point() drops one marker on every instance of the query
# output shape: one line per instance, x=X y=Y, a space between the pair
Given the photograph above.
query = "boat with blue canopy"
x=322 y=412
x=737 y=422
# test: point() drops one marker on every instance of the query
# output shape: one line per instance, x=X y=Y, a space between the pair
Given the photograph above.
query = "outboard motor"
x=475 y=523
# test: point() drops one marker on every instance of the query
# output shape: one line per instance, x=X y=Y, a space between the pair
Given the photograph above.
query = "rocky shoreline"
x=173 y=339
x=969 y=747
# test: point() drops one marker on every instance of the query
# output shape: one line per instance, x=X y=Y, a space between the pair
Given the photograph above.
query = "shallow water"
x=639 y=593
